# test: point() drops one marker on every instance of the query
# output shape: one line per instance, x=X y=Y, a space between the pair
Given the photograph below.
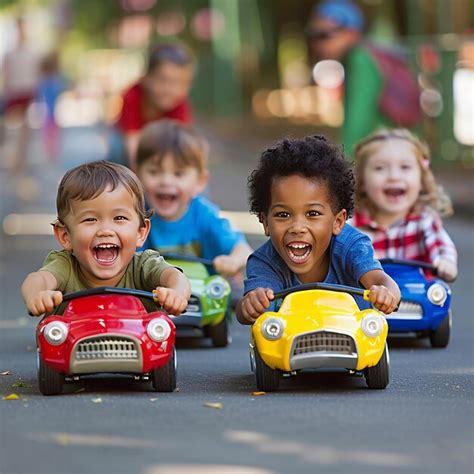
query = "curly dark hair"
x=312 y=157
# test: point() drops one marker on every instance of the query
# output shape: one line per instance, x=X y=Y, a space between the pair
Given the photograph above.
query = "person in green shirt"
x=335 y=32
x=101 y=222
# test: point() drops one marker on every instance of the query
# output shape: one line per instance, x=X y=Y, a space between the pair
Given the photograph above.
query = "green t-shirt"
x=142 y=273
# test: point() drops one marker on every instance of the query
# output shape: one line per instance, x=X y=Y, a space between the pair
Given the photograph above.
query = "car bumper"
x=323 y=349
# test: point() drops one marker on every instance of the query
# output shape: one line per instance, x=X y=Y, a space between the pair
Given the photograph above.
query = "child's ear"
x=202 y=181
x=62 y=236
x=263 y=219
x=143 y=232
x=339 y=222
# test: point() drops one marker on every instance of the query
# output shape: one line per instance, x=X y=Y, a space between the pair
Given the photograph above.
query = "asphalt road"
x=317 y=422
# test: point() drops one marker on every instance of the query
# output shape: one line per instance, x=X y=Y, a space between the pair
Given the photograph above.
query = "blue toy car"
x=425 y=304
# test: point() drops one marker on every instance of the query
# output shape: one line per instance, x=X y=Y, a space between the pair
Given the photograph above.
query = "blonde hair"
x=182 y=142
x=89 y=180
x=431 y=195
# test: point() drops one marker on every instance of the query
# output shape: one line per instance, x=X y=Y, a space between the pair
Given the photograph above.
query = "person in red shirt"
x=161 y=93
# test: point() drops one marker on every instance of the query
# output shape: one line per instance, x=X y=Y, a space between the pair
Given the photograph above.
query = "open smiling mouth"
x=299 y=253
x=394 y=192
x=166 y=198
x=106 y=254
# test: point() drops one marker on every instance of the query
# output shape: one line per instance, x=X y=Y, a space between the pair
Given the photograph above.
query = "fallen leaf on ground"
x=97 y=400
x=63 y=439
x=217 y=406
x=153 y=399
x=7 y=372
x=82 y=389
x=256 y=394
x=12 y=396
x=19 y=384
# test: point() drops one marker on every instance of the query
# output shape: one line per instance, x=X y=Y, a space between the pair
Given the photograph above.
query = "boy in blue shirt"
x=171 y=163
x=302 y=193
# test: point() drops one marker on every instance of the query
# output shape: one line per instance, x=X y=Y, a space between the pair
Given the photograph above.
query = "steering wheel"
x=101 y=291
x=187 y=258
x=409 y=263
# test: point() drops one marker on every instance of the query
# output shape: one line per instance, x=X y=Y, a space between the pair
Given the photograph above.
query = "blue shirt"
x=200 y=232
x=351 y=256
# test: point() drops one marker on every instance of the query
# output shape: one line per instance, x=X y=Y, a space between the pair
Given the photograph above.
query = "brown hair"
x=431 y=194
x=91 y=179
x=176 y=53
x=170 y=137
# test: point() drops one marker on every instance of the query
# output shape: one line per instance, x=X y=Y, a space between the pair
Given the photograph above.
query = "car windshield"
x=317 y=300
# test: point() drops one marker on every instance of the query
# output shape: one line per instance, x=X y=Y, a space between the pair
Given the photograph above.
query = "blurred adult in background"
x=335 y=32
x=163 y=92
x=20 y=81
x=52 y=84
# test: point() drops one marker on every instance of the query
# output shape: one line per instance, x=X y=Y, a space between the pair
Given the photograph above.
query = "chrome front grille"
x=107 y=347
x=407 y=307
x=323 y=341
x=194 y=304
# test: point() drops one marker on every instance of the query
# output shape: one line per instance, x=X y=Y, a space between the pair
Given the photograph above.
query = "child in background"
x=50 y=87
x=172 y=165
x=101 y=221
x=161 y=93
x=302 y=192
x=399 y=203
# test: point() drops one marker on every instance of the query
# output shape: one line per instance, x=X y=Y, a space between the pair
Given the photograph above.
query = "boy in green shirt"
x=101 y=222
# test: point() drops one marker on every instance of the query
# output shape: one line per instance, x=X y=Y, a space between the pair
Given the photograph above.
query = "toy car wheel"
x=440 y=336
x=164 y=378
x=268 y=379
x=377 y=377
x=50 y=382
x=220 y=333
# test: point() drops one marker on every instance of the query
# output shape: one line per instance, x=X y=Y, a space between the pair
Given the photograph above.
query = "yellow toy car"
x=319 y=325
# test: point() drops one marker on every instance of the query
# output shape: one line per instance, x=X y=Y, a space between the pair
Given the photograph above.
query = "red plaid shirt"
x=416 y=237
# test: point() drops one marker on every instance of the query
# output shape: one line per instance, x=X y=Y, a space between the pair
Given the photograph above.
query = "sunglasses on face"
x=318 y=35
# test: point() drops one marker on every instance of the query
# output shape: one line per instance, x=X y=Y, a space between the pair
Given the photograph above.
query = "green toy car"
x=208 y=310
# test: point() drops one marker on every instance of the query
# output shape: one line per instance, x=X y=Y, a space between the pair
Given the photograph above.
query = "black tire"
x=50 y=382
x=378 y=376
x=440 y=336
x=164 y=378
x=268 y=380
x=220 y=333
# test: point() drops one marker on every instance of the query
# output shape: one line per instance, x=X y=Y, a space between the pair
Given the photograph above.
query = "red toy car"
x=106 y=330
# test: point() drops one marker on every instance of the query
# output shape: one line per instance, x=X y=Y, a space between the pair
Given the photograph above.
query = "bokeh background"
x=253 y=62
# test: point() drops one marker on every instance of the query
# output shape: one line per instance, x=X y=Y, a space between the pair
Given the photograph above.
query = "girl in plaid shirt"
x=399 y=204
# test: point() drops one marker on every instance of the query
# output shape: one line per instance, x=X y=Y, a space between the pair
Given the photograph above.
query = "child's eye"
x=89 y=219
x=121 y=218
x=406 y=167
x=313 y=213
x=282 y=214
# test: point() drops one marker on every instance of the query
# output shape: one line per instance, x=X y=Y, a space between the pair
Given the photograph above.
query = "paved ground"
x=317 y=422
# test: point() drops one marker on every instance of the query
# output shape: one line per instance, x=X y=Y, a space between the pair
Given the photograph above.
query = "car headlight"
x=55 y=332
x=158 y=329
x=272 y=329
x=372 y=325
x=437 y=294
x=217 y=288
